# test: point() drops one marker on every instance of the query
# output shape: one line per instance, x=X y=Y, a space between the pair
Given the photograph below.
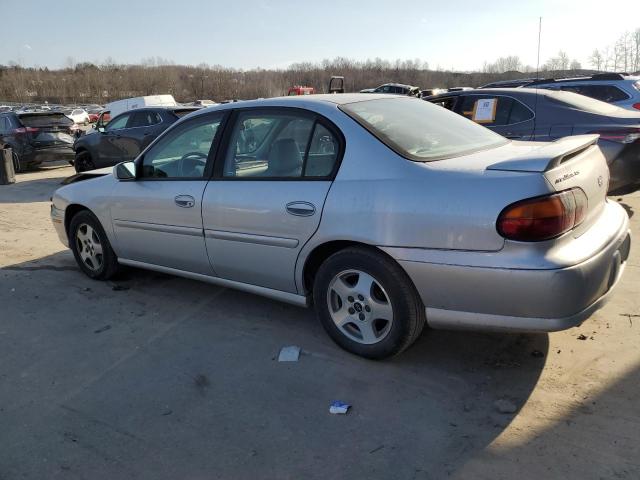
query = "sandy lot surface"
x=170 y=378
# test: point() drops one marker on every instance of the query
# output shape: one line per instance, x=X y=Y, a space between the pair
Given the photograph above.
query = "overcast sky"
x=458 y=35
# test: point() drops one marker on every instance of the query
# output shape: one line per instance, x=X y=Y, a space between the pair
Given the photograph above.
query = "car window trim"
x=215 y=145
x=218 y=167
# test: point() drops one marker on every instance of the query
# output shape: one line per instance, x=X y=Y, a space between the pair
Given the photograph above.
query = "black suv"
x=125 y=136
x=37 y=137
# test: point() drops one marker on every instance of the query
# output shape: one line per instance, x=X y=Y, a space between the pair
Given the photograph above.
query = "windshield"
x=43 y=120
x=581 y=102
x=421 y=131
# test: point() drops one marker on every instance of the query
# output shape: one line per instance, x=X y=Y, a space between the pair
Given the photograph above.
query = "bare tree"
x=597 y=60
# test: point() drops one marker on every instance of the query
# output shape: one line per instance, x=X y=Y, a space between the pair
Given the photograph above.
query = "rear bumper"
x=37 y=156
x=518 y=299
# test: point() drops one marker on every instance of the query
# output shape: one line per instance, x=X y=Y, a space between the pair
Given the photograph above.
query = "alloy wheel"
x=89 y=246
x=360 y=307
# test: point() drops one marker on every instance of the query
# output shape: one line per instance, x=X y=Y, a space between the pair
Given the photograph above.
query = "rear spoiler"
x=548 y=156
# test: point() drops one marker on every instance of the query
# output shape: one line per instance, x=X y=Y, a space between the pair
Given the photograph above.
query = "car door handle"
x=185 y=201
x=301 y=209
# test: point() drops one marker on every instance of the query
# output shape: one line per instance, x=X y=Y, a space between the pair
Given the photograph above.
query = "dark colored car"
x=124 y=137
x=37 y=137
x=545 y=115
x=394 y=88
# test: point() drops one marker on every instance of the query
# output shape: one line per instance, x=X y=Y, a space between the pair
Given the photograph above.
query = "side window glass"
x=184 y=152
x=323 y=153
x=447 y=103
x=519 y=113
x=268 y=145
x=119 y=122
x=491 y=114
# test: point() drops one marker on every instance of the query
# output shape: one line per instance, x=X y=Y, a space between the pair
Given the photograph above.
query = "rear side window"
x=506 y=110
x=182 y=113
x=43 y=120
x=420 y=131
x=580 y=102
x=605 y=93
x=145 y=119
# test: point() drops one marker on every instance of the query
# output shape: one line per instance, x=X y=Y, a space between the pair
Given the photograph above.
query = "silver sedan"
x=384 y=212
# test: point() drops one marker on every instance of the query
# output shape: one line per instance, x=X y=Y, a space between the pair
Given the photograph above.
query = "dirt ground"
x=164 y=377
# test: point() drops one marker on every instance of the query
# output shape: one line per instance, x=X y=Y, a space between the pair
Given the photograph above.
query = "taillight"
x=23 y=130
x=636 y=106
x=620 y=135
x=543 y=218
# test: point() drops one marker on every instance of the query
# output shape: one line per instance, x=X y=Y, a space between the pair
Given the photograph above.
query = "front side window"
x=279 y=145
x=118 y=122
x=184 y=151
x=420 y=131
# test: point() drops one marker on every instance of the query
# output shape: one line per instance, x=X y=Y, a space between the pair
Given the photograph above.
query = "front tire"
x=367 y=303
x=83 y=162
x=91 y=247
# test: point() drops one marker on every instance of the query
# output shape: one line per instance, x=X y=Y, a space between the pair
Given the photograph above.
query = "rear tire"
x=18 y=167
x=83 y=162
x=367 y=303
x=91 y=247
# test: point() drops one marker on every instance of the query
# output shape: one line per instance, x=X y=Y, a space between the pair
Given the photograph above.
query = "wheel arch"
x=321 y=252
x=71 y=211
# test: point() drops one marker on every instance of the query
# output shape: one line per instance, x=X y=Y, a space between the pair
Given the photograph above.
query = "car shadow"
x=185 y=368
x=29 y=188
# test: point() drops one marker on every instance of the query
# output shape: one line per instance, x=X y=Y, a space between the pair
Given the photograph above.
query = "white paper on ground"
x=289 y=354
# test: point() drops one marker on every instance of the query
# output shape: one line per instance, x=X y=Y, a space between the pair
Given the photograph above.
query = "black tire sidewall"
x=109 y=260
x=398 y=287
x=83 y=162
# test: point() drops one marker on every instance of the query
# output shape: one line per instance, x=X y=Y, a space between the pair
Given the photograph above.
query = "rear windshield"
x=421 y=131
x=43 y=120
x=581 y=102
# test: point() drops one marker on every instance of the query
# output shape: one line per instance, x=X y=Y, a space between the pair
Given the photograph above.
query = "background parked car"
x=615 y=88
x=396 y=88
x=78 y=115
x=124 y=137
x=37 y=137
x=94 y=114
x=545 y=115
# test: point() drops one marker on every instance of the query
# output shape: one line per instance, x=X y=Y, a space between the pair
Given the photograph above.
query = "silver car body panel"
x=436 y=219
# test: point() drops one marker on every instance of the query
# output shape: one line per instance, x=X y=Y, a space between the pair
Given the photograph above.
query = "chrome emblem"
x=600 y=181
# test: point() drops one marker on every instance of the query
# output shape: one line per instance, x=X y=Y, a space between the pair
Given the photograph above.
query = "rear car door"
x=503 y=114
x=157 y=216
x=268 y=192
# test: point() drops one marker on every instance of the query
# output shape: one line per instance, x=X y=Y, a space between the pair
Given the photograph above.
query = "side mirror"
x=125 y=171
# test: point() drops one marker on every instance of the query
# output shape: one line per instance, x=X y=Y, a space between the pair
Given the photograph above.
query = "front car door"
x=503 y=114
x=138 y=133
x=157 y=217
x=108 y=151
x=268 y=192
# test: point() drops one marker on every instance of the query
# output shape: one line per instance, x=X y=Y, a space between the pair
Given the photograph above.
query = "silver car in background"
x=384 y=212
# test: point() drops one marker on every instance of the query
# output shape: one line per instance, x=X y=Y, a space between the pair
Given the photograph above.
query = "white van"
x=119 y=106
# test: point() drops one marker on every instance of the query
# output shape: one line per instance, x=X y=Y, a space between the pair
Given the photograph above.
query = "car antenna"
x=535 y=105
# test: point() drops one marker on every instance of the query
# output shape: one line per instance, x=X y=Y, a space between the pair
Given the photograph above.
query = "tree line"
x=84 y=83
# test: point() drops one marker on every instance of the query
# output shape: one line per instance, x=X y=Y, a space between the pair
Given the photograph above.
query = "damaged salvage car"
x=384 y=213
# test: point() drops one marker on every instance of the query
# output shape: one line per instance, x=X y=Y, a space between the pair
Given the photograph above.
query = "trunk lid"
x=571 y=162
x=50 y=129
